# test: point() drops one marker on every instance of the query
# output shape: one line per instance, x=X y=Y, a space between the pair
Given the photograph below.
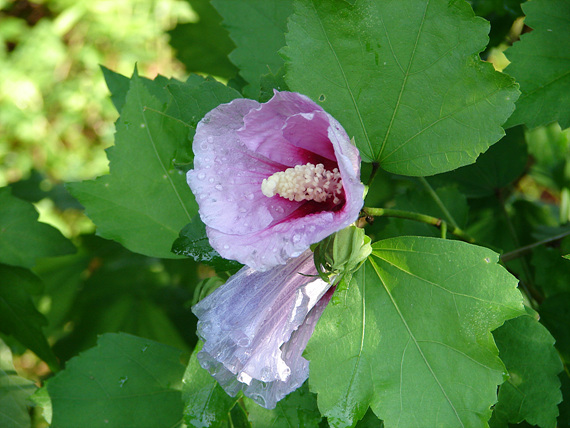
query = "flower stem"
x=422 y=218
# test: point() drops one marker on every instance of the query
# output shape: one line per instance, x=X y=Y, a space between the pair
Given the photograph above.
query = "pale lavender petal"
x=226 y=179
x=247 y=323
x=263 y=130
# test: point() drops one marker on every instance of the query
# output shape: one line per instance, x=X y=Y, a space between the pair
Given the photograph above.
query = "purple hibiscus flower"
x=257 y=325
x=271 y=179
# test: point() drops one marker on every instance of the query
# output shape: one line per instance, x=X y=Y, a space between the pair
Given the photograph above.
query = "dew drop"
x=226 y=247
x=322 y=97
x=122 y=381
x=211 y=179
x=218 y=187
x=487 y=259
x=279 y=209
x=250 y=196
x=201 y=176
x=296 y=238
x=210 y=139
x=143 y=125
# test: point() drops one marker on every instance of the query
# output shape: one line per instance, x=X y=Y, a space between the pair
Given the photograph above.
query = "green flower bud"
x=341 y=254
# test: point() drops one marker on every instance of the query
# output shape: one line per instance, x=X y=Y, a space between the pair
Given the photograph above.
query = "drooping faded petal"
x=238 y=145
x=256 y=326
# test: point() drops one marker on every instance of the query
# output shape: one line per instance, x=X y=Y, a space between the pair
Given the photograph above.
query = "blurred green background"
x=55 y=111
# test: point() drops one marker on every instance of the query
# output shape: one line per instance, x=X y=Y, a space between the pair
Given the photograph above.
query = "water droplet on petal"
x=218 y=187
x=250 y=196
x=211 y=179
x=201 y=176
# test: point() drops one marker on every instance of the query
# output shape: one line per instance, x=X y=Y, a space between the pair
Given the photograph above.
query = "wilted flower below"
x=256 y=326
x=271 y=179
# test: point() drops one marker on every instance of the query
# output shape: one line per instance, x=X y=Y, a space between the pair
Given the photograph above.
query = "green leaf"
x=298 y=409
x=412 y=338
x=197 y=96
x=501 y=14
x=564 y=407
x=23 y=239
x=551 y=271
x=193 y=242
x=118 y=85
x=145 y=200
x=271 y=81
x=540 y=62
x=256 y=51
x=18 y=315
x=555 y=315
x=203 y=47
x=532 y=391
x=492 y=172
x=416 y=97
x=205 y=402
x=14 y=393
x=370 y=420
x=124 y=381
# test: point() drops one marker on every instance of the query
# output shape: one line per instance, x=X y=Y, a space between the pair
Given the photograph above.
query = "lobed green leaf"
x=412 y=338
x=23 y=239
x=124 y=381
x=18 y=314
x=416 y=97
x=205 y=402
x=532 y=391
x=145 y=200
x=298 y=409
x=540 y=62
x=256 y=51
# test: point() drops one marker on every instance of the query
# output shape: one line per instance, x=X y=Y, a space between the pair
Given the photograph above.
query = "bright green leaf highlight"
x=22 y=238
x=19 y=317
x=205 y=402
x=14 y=393
x=416 y=97
x=257 y=28
x=298 y=409
x=412 y=338
x=540 y=62
x=145 y=200
x=532 y=392
x=124 y=381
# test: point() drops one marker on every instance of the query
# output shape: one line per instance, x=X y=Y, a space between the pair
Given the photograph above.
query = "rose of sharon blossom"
x=256 y=326
x=271 y=179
